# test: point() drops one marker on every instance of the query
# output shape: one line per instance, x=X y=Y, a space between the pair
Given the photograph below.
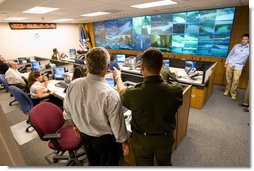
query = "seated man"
x=55 y=54
x=14 y=77
x=113 y=63
x=167 y=75
x=3 y=66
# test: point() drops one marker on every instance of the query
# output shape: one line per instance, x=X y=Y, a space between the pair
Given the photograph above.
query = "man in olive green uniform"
x=154 y=104
x=55 y=54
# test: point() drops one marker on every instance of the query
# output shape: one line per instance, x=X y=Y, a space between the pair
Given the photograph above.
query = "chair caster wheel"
x=27 y=121
x=10 y=104
x=27 y=130
x=55 y=160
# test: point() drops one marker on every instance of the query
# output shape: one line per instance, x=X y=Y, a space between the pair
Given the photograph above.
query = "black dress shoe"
x=246 y=109
x=244 y=105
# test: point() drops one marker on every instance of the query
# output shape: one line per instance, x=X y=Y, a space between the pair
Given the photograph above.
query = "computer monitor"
x=110 y=82
x=189 y=65
x=59 y=73
x=79 y=61
x=72 y=52
x=166 y=64
x=22 y=60
x=35 y=65
x=120 y=58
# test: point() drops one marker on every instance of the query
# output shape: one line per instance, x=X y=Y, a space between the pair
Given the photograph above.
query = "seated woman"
x=38 y=89
x=79 y=71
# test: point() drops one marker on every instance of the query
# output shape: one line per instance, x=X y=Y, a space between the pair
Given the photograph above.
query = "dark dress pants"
x=148 y=148
x=101 y=151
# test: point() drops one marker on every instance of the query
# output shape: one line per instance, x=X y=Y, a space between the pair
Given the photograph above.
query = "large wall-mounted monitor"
x=204 y=32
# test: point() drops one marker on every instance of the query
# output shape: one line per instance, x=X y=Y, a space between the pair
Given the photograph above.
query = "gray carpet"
x=218 y=135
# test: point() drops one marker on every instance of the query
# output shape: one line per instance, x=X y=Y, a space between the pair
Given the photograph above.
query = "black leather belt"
x=151 y=134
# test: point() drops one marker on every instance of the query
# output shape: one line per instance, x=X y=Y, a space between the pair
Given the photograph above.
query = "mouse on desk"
x=65 y=89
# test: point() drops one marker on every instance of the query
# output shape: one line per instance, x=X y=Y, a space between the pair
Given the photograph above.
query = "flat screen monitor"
x=22 y=60
x=189 y=65
x=35 y=65
x=72 y=52
x=59 y=73
x=166 y=64
x=120 y=58
x=110 y=82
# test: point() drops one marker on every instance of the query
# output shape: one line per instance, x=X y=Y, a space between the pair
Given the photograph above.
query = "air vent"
x=114 y=11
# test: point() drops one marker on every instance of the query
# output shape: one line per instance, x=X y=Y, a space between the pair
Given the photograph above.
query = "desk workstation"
x=202 y=82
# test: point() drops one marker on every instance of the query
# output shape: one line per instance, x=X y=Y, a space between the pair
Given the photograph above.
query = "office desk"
x=202 y=85
x=182 y=117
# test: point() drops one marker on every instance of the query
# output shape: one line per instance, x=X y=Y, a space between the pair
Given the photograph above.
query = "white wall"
x=37 y=42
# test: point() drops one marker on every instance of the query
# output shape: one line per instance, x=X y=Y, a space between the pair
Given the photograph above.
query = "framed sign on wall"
x=19 y=26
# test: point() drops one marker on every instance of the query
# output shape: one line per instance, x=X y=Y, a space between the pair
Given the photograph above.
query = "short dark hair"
x=152 y=59
x=112 y=57
x=245 y=35
x=55 y=50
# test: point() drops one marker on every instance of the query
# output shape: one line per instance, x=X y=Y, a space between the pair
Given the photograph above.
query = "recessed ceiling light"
x=40 y=10
x=64 y=19
x=95 y=14
x=154 y=4
x=15 y=18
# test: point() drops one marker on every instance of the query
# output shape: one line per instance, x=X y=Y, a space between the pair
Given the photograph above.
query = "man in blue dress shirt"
x=234 y=65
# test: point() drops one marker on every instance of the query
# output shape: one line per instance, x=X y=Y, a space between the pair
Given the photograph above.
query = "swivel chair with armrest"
x=47 y=119
x=6 y=86
x=25 y=103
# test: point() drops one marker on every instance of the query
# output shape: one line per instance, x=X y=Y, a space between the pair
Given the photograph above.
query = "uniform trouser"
x=246 y=96
x=101 y=151
x=232 y=77
x=146 y=148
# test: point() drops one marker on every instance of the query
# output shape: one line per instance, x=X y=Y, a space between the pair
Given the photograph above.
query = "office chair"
x=79 y=61
x=25 y=103
x=6 y=86
x=47 y=119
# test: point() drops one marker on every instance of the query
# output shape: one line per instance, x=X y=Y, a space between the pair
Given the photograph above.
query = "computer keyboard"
x=61 y=84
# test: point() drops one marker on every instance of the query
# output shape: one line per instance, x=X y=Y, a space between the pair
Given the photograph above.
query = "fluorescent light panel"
x=95 y=14
x=40 y=10
x=154 y=4
x=15 y=18
x=64 y=19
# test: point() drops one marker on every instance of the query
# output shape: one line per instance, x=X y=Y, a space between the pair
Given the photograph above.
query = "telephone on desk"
x=61 y=84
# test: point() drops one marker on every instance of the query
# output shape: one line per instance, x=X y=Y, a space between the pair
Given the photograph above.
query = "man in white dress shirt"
x=95 y=109
x=13 y=76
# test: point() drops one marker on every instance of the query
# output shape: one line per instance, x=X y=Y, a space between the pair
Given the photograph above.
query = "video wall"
x=205 y=32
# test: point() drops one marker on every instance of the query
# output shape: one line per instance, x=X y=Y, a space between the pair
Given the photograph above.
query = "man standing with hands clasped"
x=154 y=104
x=234 y=64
